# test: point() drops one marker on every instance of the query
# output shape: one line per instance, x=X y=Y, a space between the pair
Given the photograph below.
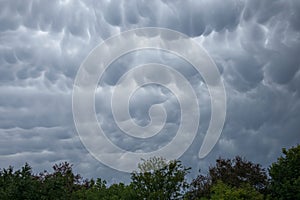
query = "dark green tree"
x=121 y=191
x=92 y=190
x=20 y=184
x=285 y=175
x=61 y=183
x=99 y=190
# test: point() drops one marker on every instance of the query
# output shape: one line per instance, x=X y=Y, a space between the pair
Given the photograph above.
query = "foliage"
x=200 y=187
x=61 y=183
x=158 y=179
x=221 y=191
x=167 y=182
x=285 y=174
x=99 y=190
x=235 y=173
x=152 y=164
x=18 y=184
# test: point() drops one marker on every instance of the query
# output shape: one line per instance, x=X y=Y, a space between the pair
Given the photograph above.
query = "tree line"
x=157 y=178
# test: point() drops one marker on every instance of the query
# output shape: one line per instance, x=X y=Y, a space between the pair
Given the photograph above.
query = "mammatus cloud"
x=254 y=43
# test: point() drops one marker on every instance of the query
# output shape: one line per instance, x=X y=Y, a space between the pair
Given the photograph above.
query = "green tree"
x=239 y=171
x=285 y=175
x=221 y=191
x=121 y=191
x=99 y=190
x=167 y=182
x=235 y=173
x=61 y=183
x=20 y=184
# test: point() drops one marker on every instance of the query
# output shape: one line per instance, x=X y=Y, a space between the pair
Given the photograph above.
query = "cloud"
x=254 y=43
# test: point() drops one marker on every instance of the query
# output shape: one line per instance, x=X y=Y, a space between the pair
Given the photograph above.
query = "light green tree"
x=158 y=179
x=221 y=191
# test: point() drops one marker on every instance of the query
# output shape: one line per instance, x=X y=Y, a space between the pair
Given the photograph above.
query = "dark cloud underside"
x=255 y=44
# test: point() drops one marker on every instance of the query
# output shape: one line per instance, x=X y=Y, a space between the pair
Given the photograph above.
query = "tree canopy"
x=158 y=178
x=161 y=180
x=285 y=175
x=230 y=174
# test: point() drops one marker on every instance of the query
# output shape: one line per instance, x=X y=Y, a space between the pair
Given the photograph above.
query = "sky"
x=255 y=45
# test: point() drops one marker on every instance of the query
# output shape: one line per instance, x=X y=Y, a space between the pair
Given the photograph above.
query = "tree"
x=221 y=191
x=20 y=184
x=237 y=172
x=152 y=164
x=233 y=173
x=99 y=190
x=167 y=182
x=121 y=191
x=285 y=174
x=200 y=187
x=61 y=183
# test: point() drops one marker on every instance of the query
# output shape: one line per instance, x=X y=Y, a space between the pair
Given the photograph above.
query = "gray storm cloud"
x=254 y=43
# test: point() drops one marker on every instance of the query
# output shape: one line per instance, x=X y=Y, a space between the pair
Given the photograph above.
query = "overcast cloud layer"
x=255 y=44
